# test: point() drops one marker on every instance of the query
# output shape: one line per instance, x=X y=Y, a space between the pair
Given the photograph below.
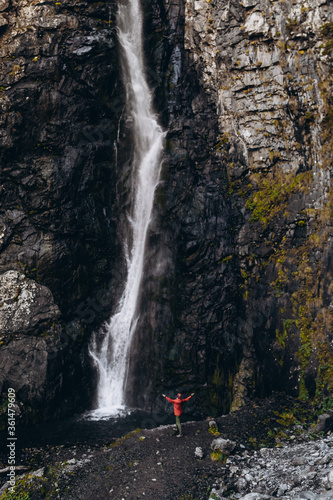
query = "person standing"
x=178 y=408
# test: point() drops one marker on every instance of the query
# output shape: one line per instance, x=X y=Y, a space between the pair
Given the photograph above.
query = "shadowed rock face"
x=267 y=67
x=61 y=102
x=237 y=298
x=237 y=288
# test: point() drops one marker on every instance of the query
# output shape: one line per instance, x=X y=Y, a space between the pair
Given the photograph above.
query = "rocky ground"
x=278 y=453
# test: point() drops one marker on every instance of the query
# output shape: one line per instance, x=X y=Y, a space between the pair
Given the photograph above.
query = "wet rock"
x=4 y=233
x=25 y=367
x=307 y=495
x=3 y=20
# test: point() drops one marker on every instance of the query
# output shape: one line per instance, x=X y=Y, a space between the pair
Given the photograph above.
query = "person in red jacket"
x=178 y=408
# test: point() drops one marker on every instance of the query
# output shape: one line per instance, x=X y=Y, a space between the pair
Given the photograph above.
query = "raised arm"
x=169 y=399
x=189 y=397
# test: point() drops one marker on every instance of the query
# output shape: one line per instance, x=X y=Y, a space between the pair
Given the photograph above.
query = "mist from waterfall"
x=112 y=356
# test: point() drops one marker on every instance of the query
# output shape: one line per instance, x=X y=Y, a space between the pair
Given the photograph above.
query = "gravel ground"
x=155 y=464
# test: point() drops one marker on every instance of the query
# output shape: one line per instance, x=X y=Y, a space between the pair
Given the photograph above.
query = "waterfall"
x=112 y=356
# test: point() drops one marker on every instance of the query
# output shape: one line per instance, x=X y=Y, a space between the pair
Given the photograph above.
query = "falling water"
x=111 y=357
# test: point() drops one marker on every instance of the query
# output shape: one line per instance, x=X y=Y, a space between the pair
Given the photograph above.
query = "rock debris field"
x=299 y=471
x=272 y=452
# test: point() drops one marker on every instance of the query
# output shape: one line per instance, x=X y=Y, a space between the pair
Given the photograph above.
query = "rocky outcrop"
x=61 y=100
x=25 y=304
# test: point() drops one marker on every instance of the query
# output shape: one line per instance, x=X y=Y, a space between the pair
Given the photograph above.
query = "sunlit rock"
x=25 y=304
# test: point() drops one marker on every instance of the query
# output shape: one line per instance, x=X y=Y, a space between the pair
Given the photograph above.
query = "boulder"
x=325 y=422
x=225 y=446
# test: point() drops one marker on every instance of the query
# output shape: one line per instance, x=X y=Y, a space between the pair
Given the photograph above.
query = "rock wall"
x=238 y=290
x=236 y=298
x=61 y=101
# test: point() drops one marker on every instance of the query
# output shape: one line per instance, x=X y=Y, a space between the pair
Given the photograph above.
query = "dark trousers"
x=178 y=423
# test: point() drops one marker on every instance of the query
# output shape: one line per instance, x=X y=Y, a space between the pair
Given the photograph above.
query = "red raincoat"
x=177 y=404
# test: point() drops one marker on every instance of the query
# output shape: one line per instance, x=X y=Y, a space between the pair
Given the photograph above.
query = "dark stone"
x=325 y=422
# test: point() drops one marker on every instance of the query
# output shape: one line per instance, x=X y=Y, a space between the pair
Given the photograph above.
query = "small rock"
x=3 y=20
x=241 y=484
x=198 y=453
x=299 y=461
x=215 y=495
x=323 y=460
x=249 y=3
x=38 y=473
x=282 y=489
x=255 y=496
x=330 y=478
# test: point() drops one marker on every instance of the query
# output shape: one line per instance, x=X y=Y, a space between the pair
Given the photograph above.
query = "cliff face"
x=238 y=291
x=268 y=67
x=59 y=125
x=236 y=298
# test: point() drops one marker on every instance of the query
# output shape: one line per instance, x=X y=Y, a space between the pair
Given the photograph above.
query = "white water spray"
x=111 y=358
